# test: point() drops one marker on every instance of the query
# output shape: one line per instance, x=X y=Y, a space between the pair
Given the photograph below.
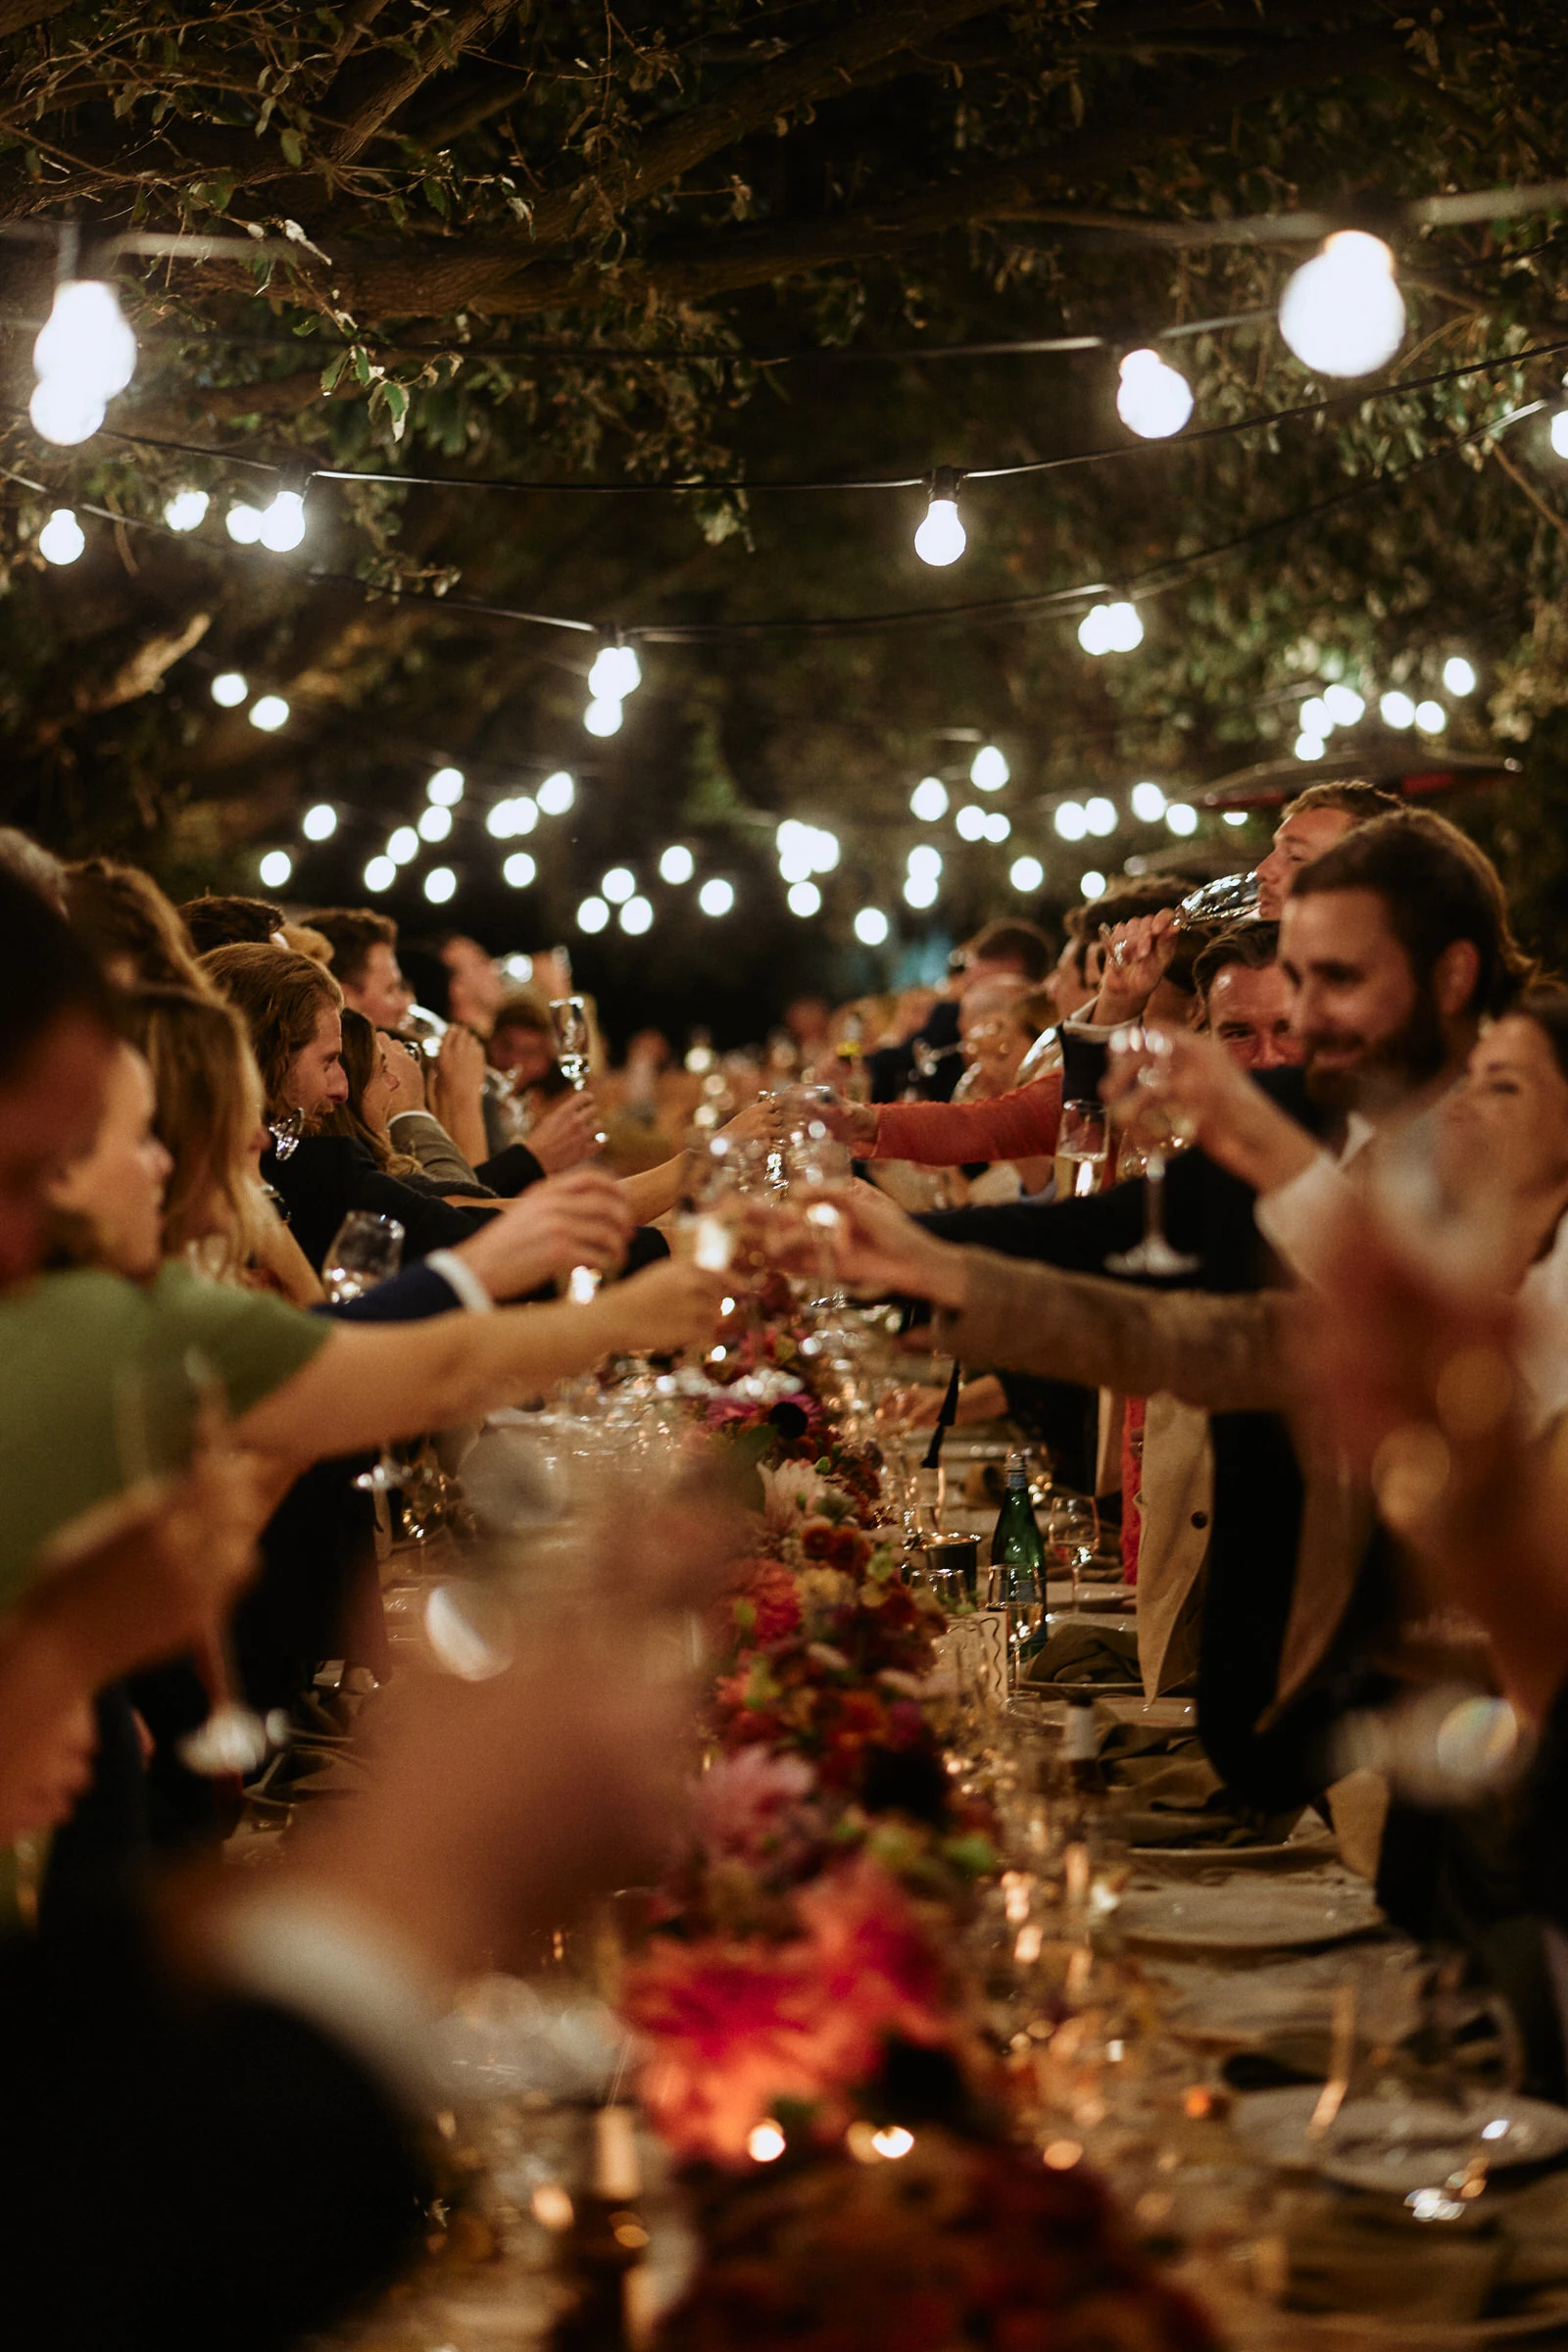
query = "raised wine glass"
x=568 y=1018
x=286 y=1131
x=1083 y=1140
x=366 y=1249
x=1160 y=1126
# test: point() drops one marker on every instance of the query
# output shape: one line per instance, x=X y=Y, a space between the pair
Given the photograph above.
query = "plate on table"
x=1250 y=1916
x=1398 y=2147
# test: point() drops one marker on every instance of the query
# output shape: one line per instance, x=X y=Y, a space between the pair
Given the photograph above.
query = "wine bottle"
x=1017 y=1579
x=1081 y=1770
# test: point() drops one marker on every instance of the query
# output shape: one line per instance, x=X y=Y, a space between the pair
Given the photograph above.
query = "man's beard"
x=1387 y=1071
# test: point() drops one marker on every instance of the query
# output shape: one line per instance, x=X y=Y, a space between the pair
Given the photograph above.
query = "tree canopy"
x=747 y=243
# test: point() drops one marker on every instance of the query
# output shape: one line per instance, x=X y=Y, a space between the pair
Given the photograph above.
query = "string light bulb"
x=1154 y=399
x=63 y=413
x=1559 y=434
x=970 y=822
x=922 y=891
x=989 y=769
x=403 y=846
x=1344 y=705
x=677 y=865
x=1026 y=874
x=321 y=822
x=275 y=869
x=716 y=897
x=1091 y=884
x=1181 y=819
x=1459 y=676
x=243 y=525
x=556 y=794
x=925 y=859
x=1100 y=815
x=62 y=539
x=1430 y=717
x=282 y=523
x=592 y=915
x=637 y=917
x=518 y=871
x=616 y=673
x=1308 y=745
x=440 y=885
x=603 y=715
x=942 y=538
x=269 y=711
x=445 y=787
x=1113 y=628
x=618 y=885
x=230 y=689
x=1316 y=716
x=186 y=510
x=871 y=926
x=436 y=824
x=1396 y=710
x=1148 y=803
x=380 y=874
x=1342 y=313
x=997 y=825
x=929 y=800
x=84 y=354
x=1070 y=821
x=803 y=899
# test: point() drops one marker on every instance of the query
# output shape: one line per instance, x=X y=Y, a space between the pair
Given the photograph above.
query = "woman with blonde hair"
x=126 y=923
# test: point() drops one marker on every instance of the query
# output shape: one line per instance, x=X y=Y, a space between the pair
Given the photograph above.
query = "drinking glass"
x=1161 y=1127
x=568 y=1018
x=168 y=1409
x=1070 y=1532
x=366 y=1249
x=1229 y=900
x=1083 y=1140
x=285 y=1131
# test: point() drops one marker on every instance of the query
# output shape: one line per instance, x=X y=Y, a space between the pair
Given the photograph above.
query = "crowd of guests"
x=1324 y=1441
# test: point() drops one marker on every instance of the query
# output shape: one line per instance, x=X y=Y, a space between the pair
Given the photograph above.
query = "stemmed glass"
x=1083 y=1140
x=1161 y=1126
x=1070 y=1532
x=568 y=1018
x=366 y=1249
x=285 y=1131
x=167 y=1410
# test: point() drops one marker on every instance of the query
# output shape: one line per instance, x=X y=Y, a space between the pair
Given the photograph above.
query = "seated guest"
x=1008 y=946
x=231 y=922
x=129 y=925
x=1247 y=998
x=365 y=962
x=1310 y=823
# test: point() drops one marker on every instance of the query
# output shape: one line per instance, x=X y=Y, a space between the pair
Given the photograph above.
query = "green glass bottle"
x=1017 y=1579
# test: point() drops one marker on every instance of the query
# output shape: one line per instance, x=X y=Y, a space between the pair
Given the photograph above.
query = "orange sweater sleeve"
x=1020 y=1125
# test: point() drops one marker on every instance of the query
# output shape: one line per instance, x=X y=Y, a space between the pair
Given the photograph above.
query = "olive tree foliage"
x=570 y=246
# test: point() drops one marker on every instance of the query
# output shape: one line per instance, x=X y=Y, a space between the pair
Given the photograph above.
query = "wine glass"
x=1229 y=900
x=1083 y=1140
x=1161 y=1126
x=1070 y=1532
x=166 y=1410
x=568 y=1018
x=366 y=1249
x=286 y=1131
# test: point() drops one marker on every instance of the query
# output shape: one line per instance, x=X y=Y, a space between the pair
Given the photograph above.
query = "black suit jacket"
x=892 y=1067
x=324 y=1176
x=1257 y=1480
x=180 y=2172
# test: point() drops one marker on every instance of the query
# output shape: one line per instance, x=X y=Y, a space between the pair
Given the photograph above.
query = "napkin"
x=1079 y=1653
x=1347 y=2254
x=1170 y=1794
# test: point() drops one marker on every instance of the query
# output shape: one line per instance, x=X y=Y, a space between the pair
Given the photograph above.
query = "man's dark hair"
x=46 y=973
x=1256 y=945
x=1438 y=887
x=1358 y=800
x=351 y=932
x=231 y=922
x=1010 y=940
x=279 y=995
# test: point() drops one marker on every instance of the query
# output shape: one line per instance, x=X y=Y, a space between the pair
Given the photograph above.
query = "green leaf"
x=332 y=372
x=293 y=147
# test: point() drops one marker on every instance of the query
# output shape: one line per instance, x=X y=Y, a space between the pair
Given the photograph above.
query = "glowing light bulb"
x=1100 y=815
x=637 y=917
x=922 y=891
x=1457 y=675
x=243 y=525
x=970 y=822
x=440 y=885
x=1308 y=745
x=1235 y=816
x=989 y=769
x=321 y=822
x=436 y=824
x=404 y=846
x=795 y=865
x=1070 y=821
x=1091 y=884
x=269 y=711
x=1344 y=705
x=871 y=926
x=1181 y=819
x=1153 y=400
x=716 y=897
x=381 y=874
x=942 y=538
x=228 y=689
x=87 y=339
x=616 y=673
x=765 y=2142
x=929 y=800
x=825 y=850
x=803 y=899
x=186 y=510
x=283 y=522
x=1397 y=708
x=603 y=715
x=63 y=413
x=1026 y=874
x=924 y=858
x=617 y=884
x=445 y=787
x=62 y=539
x=1149 y=804
x=592 y=915
x=1430 y=717
x=1342 y=313
x=1316 y=716
x=275 y=869
x=519 y=869
x=677 y=865
x=997 y=825
x=1113 y=628
x=1559 y=434
x=556 y=794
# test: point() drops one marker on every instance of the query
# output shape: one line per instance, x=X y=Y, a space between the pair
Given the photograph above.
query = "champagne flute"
x=366 y=1249
x=166 y=1410
x=1162 y=1126
x=1083 y=1142
x=568 y=1019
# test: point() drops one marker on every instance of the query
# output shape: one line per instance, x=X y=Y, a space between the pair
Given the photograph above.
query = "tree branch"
x=369 y=90
x=19 y=16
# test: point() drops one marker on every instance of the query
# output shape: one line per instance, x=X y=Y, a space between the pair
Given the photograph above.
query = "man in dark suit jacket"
x=1002 y=946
